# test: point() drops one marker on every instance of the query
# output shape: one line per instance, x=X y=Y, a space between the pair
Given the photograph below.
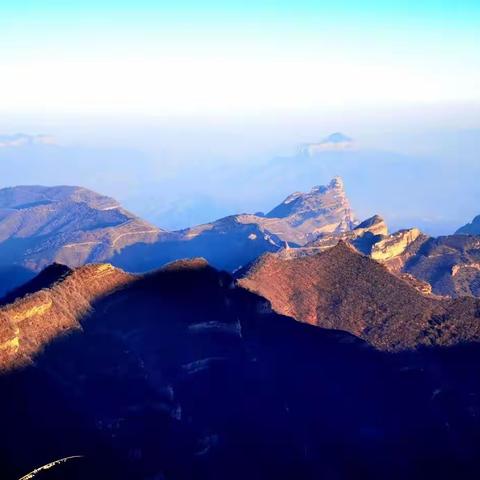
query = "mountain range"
x=182 y=373
x=323 y=339
x=74 y=226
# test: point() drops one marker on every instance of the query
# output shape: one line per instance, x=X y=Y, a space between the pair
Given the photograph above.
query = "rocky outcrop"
x=342 y=289
x=395 y=244
x=362 y=237
x=303 y=216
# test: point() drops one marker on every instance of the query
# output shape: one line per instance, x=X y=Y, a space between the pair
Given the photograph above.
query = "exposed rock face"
x=180 y=374
x=375 y=225
x=395 y=244
x=472 y=228
x=325 y=209
x=344 y=290
x=363 y=237
x=69 y=225
x=235 y=241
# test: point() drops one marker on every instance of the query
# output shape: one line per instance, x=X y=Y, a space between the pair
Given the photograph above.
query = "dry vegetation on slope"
x=29 y=323
x=342 y=289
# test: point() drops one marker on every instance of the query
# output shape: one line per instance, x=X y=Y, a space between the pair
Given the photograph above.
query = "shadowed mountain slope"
x=345 y=290
x=179 y=374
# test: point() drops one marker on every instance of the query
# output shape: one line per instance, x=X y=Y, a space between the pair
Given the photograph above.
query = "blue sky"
x=238 y=56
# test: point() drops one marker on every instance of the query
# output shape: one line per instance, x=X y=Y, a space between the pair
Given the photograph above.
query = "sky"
x=186 y=111
x=235 y=57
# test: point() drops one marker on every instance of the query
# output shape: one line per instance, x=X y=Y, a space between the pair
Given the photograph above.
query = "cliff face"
x=344 y=290
x=325 y=209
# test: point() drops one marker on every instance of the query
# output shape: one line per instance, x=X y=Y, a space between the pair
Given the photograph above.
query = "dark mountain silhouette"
x=179 y=374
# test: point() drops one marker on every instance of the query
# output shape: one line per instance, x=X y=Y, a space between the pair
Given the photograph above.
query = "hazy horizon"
x=181 y=111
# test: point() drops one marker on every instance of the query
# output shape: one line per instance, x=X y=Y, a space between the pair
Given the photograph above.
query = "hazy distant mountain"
x=234 y=241
x=182 y=374
x=70 y=225
x=22 y=140
x=334 y=142
x=472 y=228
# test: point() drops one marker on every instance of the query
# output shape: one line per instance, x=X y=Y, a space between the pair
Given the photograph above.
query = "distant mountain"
x=22 y=140
x=182 y=374
x=334 y=142
x=472 y=228
x=69 y=225
x=344 y=290
x=234 y=241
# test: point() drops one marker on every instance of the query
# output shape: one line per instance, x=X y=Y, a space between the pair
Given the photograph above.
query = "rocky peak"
x=395 y=244
x=375 y=225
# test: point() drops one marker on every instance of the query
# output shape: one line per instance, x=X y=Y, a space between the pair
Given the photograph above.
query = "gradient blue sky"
x=160 y=57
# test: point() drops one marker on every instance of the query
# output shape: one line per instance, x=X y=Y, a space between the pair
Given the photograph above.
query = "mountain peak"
x=335 y=142
x=337 y=137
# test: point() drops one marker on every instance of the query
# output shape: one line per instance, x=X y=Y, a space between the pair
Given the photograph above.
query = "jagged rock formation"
x=234 y=241
x=303 y=216
x=363 y=237
x=395 y=244
x=69 y=225
x=180 y=374
x=472 y=228
x=345 y=290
